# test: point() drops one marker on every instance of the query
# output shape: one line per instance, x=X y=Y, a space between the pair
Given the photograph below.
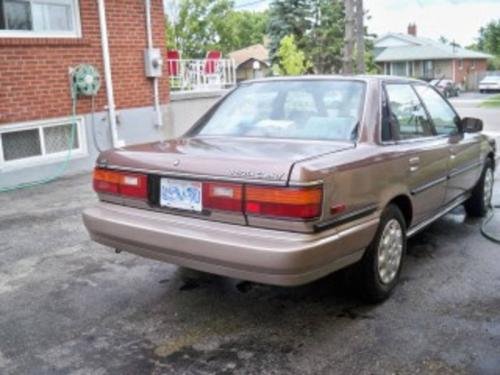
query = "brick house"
x=39 y=42
x=411 y=56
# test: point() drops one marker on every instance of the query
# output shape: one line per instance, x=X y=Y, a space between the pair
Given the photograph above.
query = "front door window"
x=408 y=117
x=443 y=117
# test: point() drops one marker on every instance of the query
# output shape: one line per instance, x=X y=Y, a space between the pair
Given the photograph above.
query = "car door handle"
x=414 y=163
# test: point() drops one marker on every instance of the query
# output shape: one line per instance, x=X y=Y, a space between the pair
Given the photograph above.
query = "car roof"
x=365 y=78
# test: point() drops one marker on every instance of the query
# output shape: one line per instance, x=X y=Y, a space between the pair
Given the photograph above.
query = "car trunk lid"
x=244 y=159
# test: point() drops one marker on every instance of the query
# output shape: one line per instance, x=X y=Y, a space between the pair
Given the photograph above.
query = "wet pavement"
x=68 y=305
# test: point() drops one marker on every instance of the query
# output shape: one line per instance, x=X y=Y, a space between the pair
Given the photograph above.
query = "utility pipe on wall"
x=156 y=90
x=107 y=73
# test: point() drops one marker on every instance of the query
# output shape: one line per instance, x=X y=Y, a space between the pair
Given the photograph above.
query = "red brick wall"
x=468 y=67
x=34 y=72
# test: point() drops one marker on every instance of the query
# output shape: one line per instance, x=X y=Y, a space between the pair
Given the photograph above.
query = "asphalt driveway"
x=68 y=305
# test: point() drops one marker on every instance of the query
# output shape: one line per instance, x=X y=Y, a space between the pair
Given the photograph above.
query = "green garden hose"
x=85 y=81
x=492 y=237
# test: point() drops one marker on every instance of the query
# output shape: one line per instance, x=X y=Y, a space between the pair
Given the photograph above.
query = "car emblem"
x=176 y=162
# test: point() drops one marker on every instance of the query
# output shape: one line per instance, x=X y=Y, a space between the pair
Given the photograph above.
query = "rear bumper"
x=260 y=255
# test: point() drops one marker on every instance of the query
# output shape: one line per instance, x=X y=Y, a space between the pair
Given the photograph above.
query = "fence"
x=201 y=75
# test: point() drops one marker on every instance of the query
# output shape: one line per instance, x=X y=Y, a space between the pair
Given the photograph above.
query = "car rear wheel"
x=479 y=203
x=378 y=272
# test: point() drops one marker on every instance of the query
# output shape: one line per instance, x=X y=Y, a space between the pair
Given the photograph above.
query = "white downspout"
x=156 y=90
x=107 y=74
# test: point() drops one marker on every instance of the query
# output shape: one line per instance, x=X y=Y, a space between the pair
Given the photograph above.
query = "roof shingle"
x=424 y=49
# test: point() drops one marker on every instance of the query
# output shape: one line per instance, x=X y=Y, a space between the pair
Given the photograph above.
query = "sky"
x=457 y=20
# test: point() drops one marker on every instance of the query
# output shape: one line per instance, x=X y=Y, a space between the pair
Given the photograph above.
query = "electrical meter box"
x=153 y=62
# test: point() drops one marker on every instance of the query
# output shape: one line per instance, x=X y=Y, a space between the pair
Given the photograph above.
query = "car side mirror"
x=471 y=125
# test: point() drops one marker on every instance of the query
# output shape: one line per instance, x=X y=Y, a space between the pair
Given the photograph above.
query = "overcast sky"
x=457 y=20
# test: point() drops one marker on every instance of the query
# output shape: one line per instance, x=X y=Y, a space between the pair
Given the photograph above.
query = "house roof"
x=257 y=52
x=417 y=48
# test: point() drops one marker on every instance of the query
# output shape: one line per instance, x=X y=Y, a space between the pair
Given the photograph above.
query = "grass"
x=492 y=102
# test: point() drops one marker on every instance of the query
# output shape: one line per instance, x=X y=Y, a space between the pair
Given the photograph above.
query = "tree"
x=198 y=24
x=288 y=17
x=324 y=44
x=360 y=37
x=170 y=34
x=292 y=61
x=489 y=42
x=241 y=29
x=203 y=25
x=349 y=41
x=318 y=29
x=371 y=65
x=489 y=38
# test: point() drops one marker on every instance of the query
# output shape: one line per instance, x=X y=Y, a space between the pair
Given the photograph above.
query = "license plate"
x=180 y=194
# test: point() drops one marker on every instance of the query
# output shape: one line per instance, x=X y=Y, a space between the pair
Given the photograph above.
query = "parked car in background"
x=286 y=180
x=489 y=83
x=446 y=87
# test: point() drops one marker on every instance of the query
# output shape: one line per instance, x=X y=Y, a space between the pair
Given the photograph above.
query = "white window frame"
x=76 y=33
x=44 y=158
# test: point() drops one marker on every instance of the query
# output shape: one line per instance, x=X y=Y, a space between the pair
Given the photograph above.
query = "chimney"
x=412 y=29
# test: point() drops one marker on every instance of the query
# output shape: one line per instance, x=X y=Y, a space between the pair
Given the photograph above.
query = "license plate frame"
x=184 y=195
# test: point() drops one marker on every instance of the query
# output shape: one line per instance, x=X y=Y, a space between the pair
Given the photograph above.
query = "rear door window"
x=408 y=118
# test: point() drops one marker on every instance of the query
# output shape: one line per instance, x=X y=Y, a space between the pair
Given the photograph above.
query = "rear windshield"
x=328 y=109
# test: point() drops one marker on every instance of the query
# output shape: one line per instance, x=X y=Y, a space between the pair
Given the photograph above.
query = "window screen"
x=21 y=144
x=57 y=138
x=39 y=141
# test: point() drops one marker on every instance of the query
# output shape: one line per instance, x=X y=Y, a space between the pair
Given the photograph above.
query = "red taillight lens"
x=222 y=196
x=130 y=185
x=300 y=203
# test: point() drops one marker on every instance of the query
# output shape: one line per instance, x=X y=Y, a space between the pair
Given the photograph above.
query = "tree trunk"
x=349 y=36
x=360 y=38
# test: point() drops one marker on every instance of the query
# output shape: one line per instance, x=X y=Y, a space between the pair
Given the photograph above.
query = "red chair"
x=212 y=62
x=173 y=63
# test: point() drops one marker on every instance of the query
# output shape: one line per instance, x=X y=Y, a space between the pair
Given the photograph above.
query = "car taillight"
x=130 y=185
x=222 y=196
x=300 y=203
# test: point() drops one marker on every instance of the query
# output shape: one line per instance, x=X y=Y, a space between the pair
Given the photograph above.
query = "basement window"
x=39 y=18
x=28 y=144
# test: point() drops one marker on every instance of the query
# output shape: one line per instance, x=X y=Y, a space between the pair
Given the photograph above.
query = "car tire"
x=376 y=281
x=479 y=203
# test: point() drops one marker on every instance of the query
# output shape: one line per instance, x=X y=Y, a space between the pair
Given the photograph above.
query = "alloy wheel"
x=488 y=187
x=390 y=251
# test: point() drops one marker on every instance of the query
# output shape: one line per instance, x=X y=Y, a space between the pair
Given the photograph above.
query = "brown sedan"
x=287 y=180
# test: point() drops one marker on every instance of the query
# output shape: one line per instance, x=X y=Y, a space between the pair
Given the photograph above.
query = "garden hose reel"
x=85 y=80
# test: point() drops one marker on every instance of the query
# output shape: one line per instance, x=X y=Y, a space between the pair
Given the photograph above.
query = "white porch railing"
x=200 y=75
